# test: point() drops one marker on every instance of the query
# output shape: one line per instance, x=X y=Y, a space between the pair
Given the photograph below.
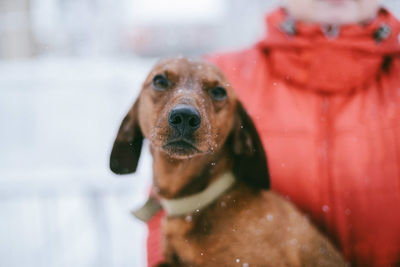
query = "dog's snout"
x=185 y=119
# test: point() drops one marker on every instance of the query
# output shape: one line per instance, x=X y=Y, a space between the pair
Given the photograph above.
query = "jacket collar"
x=330 y=59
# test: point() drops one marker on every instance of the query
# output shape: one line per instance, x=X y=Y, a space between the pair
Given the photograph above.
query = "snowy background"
x=69 y=71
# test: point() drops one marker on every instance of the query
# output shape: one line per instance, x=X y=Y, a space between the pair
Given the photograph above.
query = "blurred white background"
x=69 y=71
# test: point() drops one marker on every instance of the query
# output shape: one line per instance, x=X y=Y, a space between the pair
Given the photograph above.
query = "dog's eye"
x=160 y=82
x=218 y=93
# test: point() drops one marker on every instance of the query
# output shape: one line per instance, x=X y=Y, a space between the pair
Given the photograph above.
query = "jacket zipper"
x=326 y=185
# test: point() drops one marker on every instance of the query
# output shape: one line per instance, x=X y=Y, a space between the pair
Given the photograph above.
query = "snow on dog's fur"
x=199 y=133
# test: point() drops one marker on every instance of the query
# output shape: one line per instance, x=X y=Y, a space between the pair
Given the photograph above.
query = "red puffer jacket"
x=326 y=103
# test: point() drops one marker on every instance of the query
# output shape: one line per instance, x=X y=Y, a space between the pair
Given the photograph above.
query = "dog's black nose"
x=185 y=119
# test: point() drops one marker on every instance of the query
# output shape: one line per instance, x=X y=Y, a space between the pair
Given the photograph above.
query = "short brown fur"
x=248 y=225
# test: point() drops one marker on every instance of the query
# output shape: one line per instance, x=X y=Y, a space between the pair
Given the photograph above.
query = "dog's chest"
x=236 y=238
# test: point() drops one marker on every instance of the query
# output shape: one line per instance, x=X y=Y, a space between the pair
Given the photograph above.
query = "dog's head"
x=187 y=108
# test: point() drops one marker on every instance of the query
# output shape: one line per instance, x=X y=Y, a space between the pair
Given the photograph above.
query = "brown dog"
x=210 y=172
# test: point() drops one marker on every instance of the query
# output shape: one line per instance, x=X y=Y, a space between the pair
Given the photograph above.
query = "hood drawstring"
x=382 y=33
x=289 y=27
x=331 y=31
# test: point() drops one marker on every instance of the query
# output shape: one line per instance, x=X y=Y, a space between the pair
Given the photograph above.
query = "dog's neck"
x=177 y=178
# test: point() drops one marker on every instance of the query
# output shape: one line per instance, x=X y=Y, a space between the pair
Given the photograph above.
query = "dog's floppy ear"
x=250 y=162
x=128 y=144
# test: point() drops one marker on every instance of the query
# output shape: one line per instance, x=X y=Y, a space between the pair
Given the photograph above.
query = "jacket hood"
x=330 y=59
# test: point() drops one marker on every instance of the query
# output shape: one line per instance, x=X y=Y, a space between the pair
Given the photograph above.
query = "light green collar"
x=196 y=202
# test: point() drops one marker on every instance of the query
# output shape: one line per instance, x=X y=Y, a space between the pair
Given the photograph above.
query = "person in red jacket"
x=323 y=89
